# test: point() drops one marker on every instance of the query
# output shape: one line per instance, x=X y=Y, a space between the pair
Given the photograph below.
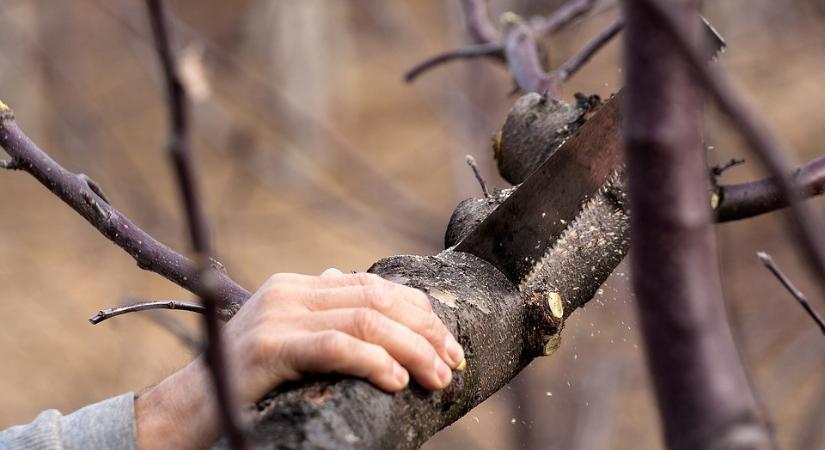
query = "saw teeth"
x=569 y=231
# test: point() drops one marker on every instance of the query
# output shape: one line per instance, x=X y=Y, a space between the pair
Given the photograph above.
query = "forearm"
x=179 y=412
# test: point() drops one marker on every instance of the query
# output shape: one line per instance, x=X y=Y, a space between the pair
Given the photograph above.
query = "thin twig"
x=562 y=16
x=477 y=172
x=179 y=150
x=491 y=50
x=719 y=169
x=572 y=65
x=105 y=314
x=771 y=150
x=479 y=25
x=796 y=293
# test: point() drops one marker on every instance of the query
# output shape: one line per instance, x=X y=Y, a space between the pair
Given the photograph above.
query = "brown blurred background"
x=315 y=154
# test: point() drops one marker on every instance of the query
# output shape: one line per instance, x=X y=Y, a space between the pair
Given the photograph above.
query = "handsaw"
x=518 y=233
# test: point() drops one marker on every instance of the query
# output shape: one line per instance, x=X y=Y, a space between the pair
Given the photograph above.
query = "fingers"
x=331 y=272
x=334 y=351
x=395 y=303
x=332 y=278
x=407 y=347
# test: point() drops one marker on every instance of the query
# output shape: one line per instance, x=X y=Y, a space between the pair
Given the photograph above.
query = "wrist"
x=179 y=412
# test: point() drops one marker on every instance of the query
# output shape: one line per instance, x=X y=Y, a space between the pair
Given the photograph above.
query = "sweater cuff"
x=107 y=425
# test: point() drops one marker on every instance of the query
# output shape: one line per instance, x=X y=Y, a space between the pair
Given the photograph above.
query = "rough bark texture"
x=501 y=328
x=534 y=129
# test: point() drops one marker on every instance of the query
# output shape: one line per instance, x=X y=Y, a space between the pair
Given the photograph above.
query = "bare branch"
x=491 y=50
x=517 y=45
x=740 y=201
x=76 y=192
x=701 y=387
x=479 y=25
x=522 y=53
x=572 y=65
x=105 y=314
x=562 y=16
x=721 y=168
x=179 y=150
x=771 y=151
x=796 y=293
x=473 y=165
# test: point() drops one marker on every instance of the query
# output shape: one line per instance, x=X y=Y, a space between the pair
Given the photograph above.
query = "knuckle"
x=419 y=298
x=367 y=321
x=422 y=349
x=378 y=299
x=367 y=279
x=331 y=343
x=277 y=278
x=274 y=293
x=433 y=326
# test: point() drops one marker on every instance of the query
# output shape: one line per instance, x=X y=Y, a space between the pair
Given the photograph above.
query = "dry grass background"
x=315 y=154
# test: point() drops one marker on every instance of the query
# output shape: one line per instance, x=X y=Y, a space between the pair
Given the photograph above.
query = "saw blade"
x=517 y=234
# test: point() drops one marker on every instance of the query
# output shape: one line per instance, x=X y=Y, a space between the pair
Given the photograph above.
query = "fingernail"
x=400 y=375
x=444 y=373
x=454 y=351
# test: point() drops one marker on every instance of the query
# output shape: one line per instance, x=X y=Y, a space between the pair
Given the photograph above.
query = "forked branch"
x=76 y=191
x=517 y=45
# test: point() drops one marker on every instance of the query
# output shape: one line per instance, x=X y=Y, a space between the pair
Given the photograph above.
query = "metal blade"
x=517 y=234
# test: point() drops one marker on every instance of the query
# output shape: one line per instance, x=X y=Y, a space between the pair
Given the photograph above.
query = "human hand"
x=354 y=324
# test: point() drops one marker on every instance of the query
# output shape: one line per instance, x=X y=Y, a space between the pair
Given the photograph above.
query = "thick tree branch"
x=77 y=193
x=701 y=388
x=105 y=314
x=798 y=295
x=180 y=153
x=771 y=150
x=740 y=201
x=500 y=327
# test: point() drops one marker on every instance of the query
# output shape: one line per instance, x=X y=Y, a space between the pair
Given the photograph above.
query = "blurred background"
x=315 y=154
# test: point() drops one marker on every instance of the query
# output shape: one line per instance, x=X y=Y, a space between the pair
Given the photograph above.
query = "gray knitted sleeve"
x=108 y=425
